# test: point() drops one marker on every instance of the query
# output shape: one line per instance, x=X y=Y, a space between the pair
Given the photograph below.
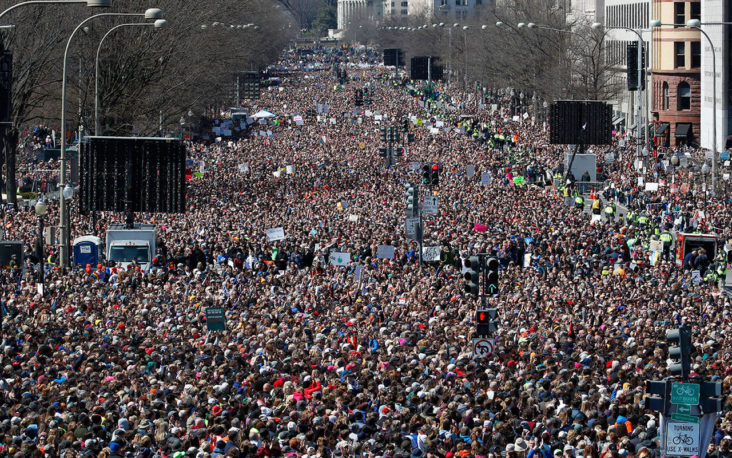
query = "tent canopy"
x=264 y=114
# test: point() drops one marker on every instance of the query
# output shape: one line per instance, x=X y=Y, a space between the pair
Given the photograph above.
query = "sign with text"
x=276 y=233
x=340 y=259
x=430 y=205
x=682 y=439
x=411 y=227
x=685 y=393
x=215 y=319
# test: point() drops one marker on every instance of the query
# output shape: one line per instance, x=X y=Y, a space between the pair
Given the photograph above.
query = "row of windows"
x=632 y=16
x=446 y=3
x=680 y=12
x=680 y=54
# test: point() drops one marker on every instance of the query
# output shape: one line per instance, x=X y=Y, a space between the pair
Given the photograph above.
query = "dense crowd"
x=372 y=358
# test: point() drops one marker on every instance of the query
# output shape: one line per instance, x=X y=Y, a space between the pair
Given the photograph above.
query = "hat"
x=521 y=445
x=114 y=446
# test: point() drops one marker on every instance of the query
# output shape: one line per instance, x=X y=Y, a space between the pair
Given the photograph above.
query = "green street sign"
x=215 y=319
x=685 y=393
x=685 y=418
x=683 y=409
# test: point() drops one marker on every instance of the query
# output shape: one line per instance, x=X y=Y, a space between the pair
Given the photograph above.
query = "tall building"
x=714 y=11
x=358 y=11
x=619 y=16
x=676 y=72
x=437 y=9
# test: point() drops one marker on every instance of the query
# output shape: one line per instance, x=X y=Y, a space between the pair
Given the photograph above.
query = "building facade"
x=676 y=73
x=714 y=11
x=437 y=9
x=357 y=11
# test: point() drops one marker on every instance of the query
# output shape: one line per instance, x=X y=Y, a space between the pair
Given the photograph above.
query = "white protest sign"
x=431 y=253
x=358 y=274
x=353 y=218
x=276 y=233
x=696 y=276
x=431 y=204
x=485 y=178
x=385 y=252
x=340 y=259
x=290 y=169
x=414 y=166
x=651 y=186
x=439 y=124
x=470 y=171
x=411 y=227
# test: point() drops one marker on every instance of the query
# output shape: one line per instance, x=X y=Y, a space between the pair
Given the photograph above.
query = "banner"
x=276 y=233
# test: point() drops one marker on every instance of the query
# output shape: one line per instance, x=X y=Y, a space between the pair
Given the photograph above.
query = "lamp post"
x=90 y=3
x=639 y=101
x=674 y=163
x=157 y=24
x=705 y=171
x=465 y=41
x=151 y=13
x=40 y=209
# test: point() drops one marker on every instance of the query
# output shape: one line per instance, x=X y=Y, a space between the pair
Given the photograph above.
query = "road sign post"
x=482 y=347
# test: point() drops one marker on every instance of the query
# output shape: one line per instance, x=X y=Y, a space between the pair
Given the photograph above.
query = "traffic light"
x=412 y=195
x=435 y=175
x=359 y=97
x=491 y=284
x=709 y=397
x=399 y=151
x=410 y=138
x=659 y=392
x=679 y=350
x=426 y=174
x=405 y=125
x=485 y=321
x=383 y=134
x=472 y=275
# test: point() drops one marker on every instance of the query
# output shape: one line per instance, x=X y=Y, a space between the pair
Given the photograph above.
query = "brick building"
x=676 y=73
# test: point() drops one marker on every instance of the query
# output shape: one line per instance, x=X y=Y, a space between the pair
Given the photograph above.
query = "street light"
x=40 y=209
x=696 y=24
x=157 y=24
x=639 y=102
x=705 y=171
x=150 y=13
x=89 y=3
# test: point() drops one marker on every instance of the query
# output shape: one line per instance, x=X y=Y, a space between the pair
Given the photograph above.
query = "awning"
x=618 y=120
x=682 y=129
x=659 y=129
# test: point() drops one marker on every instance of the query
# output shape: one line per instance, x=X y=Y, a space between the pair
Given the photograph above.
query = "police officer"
x=610 y=212
x=579 y=201
x=666 y=238
x=596 y=207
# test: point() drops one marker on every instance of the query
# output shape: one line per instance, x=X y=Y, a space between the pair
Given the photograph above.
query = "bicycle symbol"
x=685 y=390
x=683 y=439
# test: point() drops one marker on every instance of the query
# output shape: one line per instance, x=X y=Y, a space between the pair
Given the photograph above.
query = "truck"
x=125 y=244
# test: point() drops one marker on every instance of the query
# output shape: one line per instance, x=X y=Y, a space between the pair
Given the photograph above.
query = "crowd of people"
x=374 y=357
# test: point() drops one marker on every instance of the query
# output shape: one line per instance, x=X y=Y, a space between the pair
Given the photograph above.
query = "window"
x=680 y=54
x=695 y=11
x=684 y=96
x=665 y=95
x=404 y=12
x=405 y=4
x=443 y=2
x=679 y=13
x=695 y=54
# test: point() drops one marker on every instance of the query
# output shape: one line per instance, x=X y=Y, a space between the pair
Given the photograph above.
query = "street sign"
x=411 y=227
x=482 y=347
x=215 y=320
x=684 y=418
x=683 y=409
x=685 y=393
x=682 y=439
x=430 y=205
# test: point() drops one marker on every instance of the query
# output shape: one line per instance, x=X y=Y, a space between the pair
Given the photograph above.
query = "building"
x=436 y=9
x=579 y=10
x=358 y=11
x=676 y=73
x=713 y=11
x=620 y=16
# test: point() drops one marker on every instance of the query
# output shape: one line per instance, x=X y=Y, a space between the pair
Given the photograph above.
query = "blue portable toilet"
x=87 y=250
